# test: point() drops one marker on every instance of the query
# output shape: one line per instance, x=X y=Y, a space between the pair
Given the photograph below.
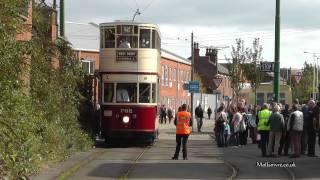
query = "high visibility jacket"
x=183 y=123
x=263 y=124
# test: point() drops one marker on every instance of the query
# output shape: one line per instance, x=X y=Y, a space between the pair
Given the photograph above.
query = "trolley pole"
x=192 y=76
x=62 y=18
x=276 y=82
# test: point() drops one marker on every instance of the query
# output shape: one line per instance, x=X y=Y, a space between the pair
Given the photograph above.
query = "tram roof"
x=169 y=55
x=124 y=22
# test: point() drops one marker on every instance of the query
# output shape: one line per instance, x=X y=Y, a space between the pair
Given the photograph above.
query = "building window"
x=283 y=98
x=174 y=74
x=162 y=75
x=260 y=99
x=269 y=98
x=170 y=74
x=87 y=66
x=154 y=93
x=166 y=75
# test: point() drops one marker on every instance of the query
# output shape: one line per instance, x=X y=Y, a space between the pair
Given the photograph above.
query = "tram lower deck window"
x=126 y=93
x=144 y=93
x=108 y=92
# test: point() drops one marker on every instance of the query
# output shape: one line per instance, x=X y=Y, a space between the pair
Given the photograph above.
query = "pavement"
x=166 y=132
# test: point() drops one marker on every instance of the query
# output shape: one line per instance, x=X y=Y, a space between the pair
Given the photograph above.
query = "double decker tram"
x=129 y=66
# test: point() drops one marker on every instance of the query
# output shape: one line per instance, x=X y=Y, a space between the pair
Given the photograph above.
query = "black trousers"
x=284 y=143
x=264 y=142
x=311 y=141
x=243 y=136
x=184 y=138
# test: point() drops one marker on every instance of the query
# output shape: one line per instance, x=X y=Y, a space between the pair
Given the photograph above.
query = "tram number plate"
x=127 y=55
x=126 y=111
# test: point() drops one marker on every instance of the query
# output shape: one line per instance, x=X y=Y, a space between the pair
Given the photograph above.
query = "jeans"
x=199 y=123
x=264 y=142
x=184 y=138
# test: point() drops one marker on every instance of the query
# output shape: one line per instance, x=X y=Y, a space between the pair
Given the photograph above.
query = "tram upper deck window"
x=144 y=38
x=155 y=40
x=126 y=93
x=144 y=93
x=109 y=38
x=127 y=36
x=108 y=92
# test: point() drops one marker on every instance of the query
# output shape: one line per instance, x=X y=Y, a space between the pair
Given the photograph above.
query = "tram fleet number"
x=126 y=111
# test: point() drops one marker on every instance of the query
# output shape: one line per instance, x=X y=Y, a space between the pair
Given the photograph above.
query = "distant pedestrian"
x=314 y=111
x=183 y=123
x=276 y=122
x=295 y=126
x=199 y=117
x=220 y=119
x=209 y=111
x=169 y=114
x=163 y=114
x=235 y=124
x=226 y=133
x=264 y=128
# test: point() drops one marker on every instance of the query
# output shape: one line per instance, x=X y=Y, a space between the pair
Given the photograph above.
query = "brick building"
x=84 y=39
x=207 y=67
x=175 y=74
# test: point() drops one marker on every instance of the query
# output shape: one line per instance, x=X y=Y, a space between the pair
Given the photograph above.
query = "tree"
x=303 y=89
x=243 y=66
x=250 y=68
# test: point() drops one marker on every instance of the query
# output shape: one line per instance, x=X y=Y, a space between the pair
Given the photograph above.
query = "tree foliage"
x=243 y=66
x=42 y=125
x=303 y=89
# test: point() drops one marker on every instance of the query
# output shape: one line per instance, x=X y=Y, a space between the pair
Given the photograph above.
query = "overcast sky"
x=215 y=23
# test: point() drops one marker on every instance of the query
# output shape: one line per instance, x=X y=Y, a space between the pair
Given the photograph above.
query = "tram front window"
x=108 y=92
x=127 y=41
x=144 y=93
x=126 y=93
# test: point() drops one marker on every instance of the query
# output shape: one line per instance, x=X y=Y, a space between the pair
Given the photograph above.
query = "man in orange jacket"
x=183 y=122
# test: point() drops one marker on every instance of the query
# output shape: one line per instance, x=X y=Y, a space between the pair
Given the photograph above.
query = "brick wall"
x=171 y=88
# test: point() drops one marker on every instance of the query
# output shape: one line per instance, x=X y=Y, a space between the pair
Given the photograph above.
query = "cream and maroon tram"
x=129 y=66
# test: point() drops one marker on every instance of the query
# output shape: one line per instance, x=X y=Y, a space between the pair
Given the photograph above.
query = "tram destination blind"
x=127 y=55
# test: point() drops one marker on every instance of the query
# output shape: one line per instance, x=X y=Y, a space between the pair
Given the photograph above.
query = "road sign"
x=194 y=86
x=267 y=66
x=298 y=77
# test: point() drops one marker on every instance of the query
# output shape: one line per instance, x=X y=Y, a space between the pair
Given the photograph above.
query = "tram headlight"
x=125 y=119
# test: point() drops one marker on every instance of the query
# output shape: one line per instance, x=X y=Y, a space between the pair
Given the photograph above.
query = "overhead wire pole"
x=192 y=75
x=276 y=82
x=62 y=18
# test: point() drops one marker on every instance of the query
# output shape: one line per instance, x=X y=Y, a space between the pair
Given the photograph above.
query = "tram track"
x=127 y=172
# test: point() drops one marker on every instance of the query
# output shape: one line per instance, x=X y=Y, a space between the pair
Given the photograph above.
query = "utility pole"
x=62 y=18
x=276 y=82
x=192 y=74
x=54 y=4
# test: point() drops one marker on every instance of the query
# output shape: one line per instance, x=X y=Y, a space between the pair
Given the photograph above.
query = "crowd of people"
x=276 y=129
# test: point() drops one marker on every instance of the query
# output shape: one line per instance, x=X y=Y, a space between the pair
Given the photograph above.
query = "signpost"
x=298 y=77
x=267 y=66
x=194 y=86
x=217 y=80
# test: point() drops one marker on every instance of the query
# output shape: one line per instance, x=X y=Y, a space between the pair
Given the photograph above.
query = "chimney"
x=196 y=50
x=212 y=55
